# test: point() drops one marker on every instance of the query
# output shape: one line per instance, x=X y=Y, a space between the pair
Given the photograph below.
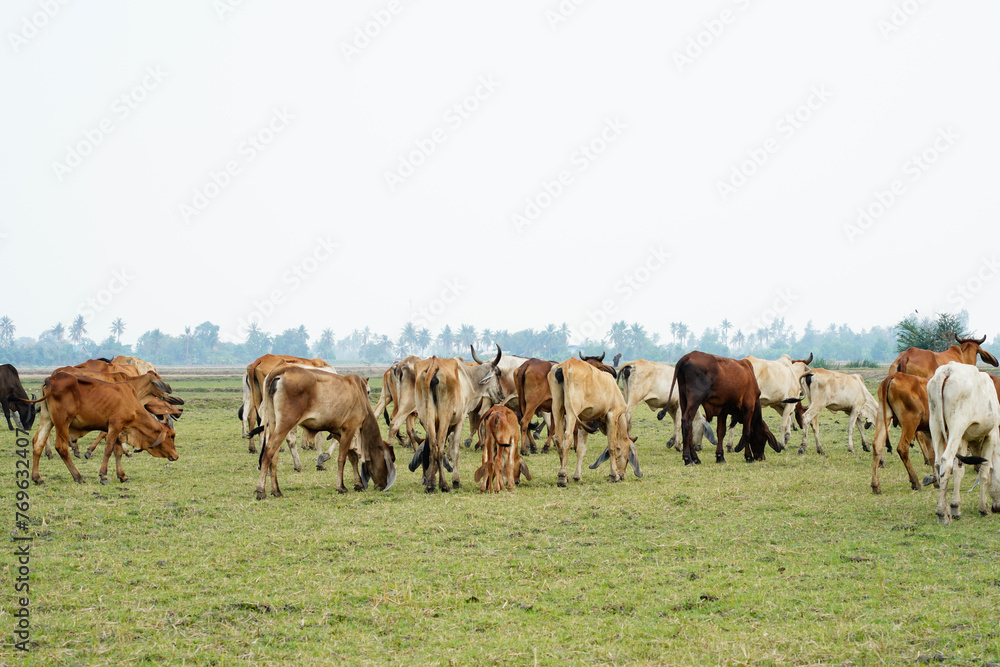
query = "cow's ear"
x=489 y=376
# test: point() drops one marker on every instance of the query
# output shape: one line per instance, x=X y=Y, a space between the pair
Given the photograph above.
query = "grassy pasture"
x=791 y=561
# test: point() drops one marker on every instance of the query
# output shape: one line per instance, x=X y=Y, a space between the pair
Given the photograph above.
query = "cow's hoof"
x=866 y=448
x=322 y=458
x=956 y=512
x=984 y=513
x=277 y=494
x=850 y=450
x=430 y=489
x=729 y=448
x=104 y=481
x=76 y=453
x=561 y=481
x=342 y=490
x=86 y=455
x=320 y=466
x=468 y=442
x=612 y=478
x=577 y=478
x=930 y=479
x=48 y=455
x=445 y=488
x=944 y=519
x=297 y=468
x=720 y=458
x=260 y=494
x=456 y=484
x=81 y=480
x=545 y=449
x=876 y=490
x=916 y=487
x=801 y=451
x=252 y=450
x=359 y=487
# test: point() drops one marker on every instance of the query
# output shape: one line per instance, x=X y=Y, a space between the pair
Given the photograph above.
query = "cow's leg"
x=786 y=422
x=122 y=477
x=677 y=440
x=985 y=475
x=323 y=457
x=909 y=430
x=342 y=450
x=581 y=450
x=527 y=439
x=852 y=421
x=90 y=450
x=352 y=456
x=456 y=442
x=6 y=412
x=958 y=473
x=38 y=445
x=62 y=448
x=109 y=449
x=294 y=449
x=270 y=444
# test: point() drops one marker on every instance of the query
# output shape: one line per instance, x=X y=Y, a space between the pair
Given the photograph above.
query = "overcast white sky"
x=731 y=146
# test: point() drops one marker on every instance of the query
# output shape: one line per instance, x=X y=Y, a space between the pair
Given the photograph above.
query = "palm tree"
x=117 y=329
x=467 y=335
x=739 y=339
x=423 y=339
x=187 y=340
x=725 y=327
x=77 y=329
x=618 y=335
x=682 y=332
x=57 y=332
x=638 y=338
x=407 y=338
x=446 y=340
x=7 y=329
x=486 y=337
x=673 y=329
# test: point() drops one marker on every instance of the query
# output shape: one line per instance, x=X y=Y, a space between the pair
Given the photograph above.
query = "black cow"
x=10 y=388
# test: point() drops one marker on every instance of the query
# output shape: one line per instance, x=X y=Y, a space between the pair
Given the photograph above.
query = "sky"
x=506 y=165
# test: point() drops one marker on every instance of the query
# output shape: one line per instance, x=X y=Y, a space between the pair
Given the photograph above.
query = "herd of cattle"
x=941 y=399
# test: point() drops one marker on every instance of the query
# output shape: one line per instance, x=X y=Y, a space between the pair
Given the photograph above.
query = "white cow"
x=964 y=419
x=836 y=392
x=779 y=388
x=649 y=382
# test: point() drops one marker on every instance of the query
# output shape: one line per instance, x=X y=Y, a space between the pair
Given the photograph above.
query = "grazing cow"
x=447 y=391
x=104 y=366
x=502 y=464
x=166 y=413
x=506 y=368
x=723 y=387
x=581 y=393
x=903 y=398
x=531 y=381
x=965 y=425
x=74 y=405
x=837 y=392
x=649 y=382
x=923 y=363
x=11 y=388
x=323 y=401
x=143 y=366
x=253 y=382
x=399 y=388
x=778 y=381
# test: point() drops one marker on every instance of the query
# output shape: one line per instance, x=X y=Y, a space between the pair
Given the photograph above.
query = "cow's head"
x=488 y=378
x=379 y=465
x=801 y=366
x=869 y=410
x=154 y=437
x=24 y=413
x=598 y=363
x=972 y=347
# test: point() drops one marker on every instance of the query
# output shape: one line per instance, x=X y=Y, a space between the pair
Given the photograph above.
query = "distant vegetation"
x=201 y=346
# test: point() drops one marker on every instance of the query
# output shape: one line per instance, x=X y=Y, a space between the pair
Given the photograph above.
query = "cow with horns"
x=923 y=363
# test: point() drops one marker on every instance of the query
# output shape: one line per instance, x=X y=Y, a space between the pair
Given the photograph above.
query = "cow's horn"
x=159 y=441
x=957 y=339
x=982 y=340
x=582 y=358
x=474 y=355
x=391 y=478
x=499 y=354
x=810 y=359
x=601 y=358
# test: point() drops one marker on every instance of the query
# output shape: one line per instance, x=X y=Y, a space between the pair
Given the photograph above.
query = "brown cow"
x=723 y=387
x=903 y=398
x=74 y=405
x=322 y=401
x=502 y=465
x=105 y=366
x=923 y=363
x=11 y=395
x=142 y=365
x=253 y=381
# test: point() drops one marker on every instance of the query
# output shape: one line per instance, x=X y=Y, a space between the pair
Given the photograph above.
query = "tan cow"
x=837 y=392
x=447 y=391
x=253 y=381
x=502 y=464
x=322 y=401
x=778 y=381
x=143 y=366
x=581 y=393
x=399 y=388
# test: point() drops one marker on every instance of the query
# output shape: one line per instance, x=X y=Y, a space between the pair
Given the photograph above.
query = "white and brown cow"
x=649 y=382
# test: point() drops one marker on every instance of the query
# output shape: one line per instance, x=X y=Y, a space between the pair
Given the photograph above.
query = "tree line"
x=200 y=345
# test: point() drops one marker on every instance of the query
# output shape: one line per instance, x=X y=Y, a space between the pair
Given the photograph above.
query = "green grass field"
x=791 y=561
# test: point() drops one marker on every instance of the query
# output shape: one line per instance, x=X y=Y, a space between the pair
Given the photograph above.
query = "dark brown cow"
x=903 y=399
x=75 y=405
x=531 y=382
x=724 y=387
x=923 y=363
x=318 y=401
x=11 y=388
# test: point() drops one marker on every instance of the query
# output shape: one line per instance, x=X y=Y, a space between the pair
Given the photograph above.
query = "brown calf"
x=502 y=464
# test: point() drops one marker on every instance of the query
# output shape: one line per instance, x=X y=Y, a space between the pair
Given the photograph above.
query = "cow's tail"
x=939 y=417
x=269 y=416
x=429 y=408
x=384 y=398
x=624 y=374
x=670 y=395
x=886 y=410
